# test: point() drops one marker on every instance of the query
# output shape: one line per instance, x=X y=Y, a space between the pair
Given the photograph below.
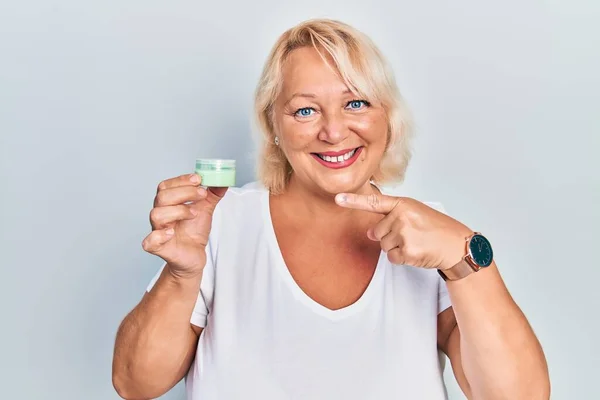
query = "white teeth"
x=338 y=158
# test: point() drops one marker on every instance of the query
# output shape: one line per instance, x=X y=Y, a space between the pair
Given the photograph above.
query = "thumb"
x=214 y=195
x=371 y=235
x=373 y=202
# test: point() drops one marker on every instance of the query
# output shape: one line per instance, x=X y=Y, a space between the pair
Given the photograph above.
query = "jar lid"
x=214 y=164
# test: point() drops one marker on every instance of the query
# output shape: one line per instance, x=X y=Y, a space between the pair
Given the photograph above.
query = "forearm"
x=500 y=355
x=155 y=343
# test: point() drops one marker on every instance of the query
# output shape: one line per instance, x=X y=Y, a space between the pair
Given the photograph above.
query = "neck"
x=320 y=208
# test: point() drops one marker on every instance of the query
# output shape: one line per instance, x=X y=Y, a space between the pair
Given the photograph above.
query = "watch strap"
x=460 y=270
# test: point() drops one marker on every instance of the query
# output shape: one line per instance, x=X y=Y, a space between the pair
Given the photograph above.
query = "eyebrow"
x=310 y=95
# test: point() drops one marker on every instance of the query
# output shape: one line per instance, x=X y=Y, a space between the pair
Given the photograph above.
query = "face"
x=333 y=140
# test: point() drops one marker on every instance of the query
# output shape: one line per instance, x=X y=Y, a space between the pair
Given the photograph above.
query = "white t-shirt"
x=264 y=338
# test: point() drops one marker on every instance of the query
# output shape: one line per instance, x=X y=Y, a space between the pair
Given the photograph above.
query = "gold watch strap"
x=458 y=271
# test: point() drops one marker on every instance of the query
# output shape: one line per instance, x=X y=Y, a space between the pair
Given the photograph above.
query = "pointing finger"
x=374 y=202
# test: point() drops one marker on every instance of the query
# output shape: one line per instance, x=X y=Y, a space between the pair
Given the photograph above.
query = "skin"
x=492 y=348
x=307 y=205
x=494 y=355
x=155 y=343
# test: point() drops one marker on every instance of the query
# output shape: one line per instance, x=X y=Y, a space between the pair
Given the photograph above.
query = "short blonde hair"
x=366 y=73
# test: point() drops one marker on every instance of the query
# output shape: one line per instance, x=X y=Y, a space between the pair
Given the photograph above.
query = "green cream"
x=216 y=173
x=217 y=178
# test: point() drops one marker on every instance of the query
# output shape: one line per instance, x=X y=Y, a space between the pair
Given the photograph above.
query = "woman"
x=318 y=283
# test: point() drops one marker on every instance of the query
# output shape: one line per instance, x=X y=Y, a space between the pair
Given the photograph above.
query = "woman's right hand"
x=181 y=220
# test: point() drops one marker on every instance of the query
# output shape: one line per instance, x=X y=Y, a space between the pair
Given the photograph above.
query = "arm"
x=492 y=348
x=156 y=343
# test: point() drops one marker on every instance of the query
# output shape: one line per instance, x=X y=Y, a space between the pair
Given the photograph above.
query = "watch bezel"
x=472 y=259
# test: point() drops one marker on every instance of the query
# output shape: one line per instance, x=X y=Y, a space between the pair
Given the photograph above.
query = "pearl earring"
x=276 y=141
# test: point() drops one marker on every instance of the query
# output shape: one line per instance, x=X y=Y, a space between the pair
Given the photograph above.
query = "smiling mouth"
x=337 y=159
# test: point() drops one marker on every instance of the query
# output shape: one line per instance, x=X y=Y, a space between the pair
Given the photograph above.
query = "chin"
x=342 y=184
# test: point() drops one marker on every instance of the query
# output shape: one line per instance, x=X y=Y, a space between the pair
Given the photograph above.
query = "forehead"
x=306 y=71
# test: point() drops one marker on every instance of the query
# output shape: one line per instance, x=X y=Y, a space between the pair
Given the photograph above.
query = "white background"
x=99 y=101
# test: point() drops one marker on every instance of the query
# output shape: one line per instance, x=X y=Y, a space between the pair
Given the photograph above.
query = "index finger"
x=183 y=180
x=373 y=202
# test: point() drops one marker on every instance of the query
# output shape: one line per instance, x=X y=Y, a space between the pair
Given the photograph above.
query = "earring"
x=276 y=141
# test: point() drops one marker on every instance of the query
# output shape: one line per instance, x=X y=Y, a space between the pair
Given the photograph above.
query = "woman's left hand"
x=412 y=233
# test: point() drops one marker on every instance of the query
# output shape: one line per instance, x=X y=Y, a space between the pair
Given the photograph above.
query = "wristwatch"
x=479 y=255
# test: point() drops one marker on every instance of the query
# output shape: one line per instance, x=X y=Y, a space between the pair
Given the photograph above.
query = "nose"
x=334 y=128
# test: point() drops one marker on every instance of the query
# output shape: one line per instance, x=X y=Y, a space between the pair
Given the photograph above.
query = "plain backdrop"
x=100 y=101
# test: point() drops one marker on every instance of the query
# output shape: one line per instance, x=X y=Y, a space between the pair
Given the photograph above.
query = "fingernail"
x=202 y=192
x=170 y=231
x=341 y=198
x=195 y=178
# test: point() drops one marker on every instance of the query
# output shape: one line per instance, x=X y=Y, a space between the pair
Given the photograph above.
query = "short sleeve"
x=443 y=295
x=205 y=296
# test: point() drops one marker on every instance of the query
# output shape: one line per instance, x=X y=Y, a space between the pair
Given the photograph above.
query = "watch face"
x=481 y=251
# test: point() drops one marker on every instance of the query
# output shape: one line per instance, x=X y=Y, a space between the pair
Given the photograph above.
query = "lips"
x=338 y=159
x=333 y=157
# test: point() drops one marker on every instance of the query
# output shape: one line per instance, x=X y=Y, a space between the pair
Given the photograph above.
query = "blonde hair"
x=366 y=73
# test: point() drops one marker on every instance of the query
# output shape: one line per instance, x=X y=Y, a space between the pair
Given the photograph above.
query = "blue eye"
x=305 y=112
x=357 y=104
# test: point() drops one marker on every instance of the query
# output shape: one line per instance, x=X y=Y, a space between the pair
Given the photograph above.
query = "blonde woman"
x=317 y=282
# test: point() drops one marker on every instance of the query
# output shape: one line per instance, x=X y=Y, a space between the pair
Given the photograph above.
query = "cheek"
x=372 y=128
x=297 y=136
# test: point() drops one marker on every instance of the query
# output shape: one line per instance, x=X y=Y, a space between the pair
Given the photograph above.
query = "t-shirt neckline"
x=298 y=293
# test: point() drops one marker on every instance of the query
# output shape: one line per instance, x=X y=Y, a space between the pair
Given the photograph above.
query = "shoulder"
x=239 y=196
x=241 y=203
